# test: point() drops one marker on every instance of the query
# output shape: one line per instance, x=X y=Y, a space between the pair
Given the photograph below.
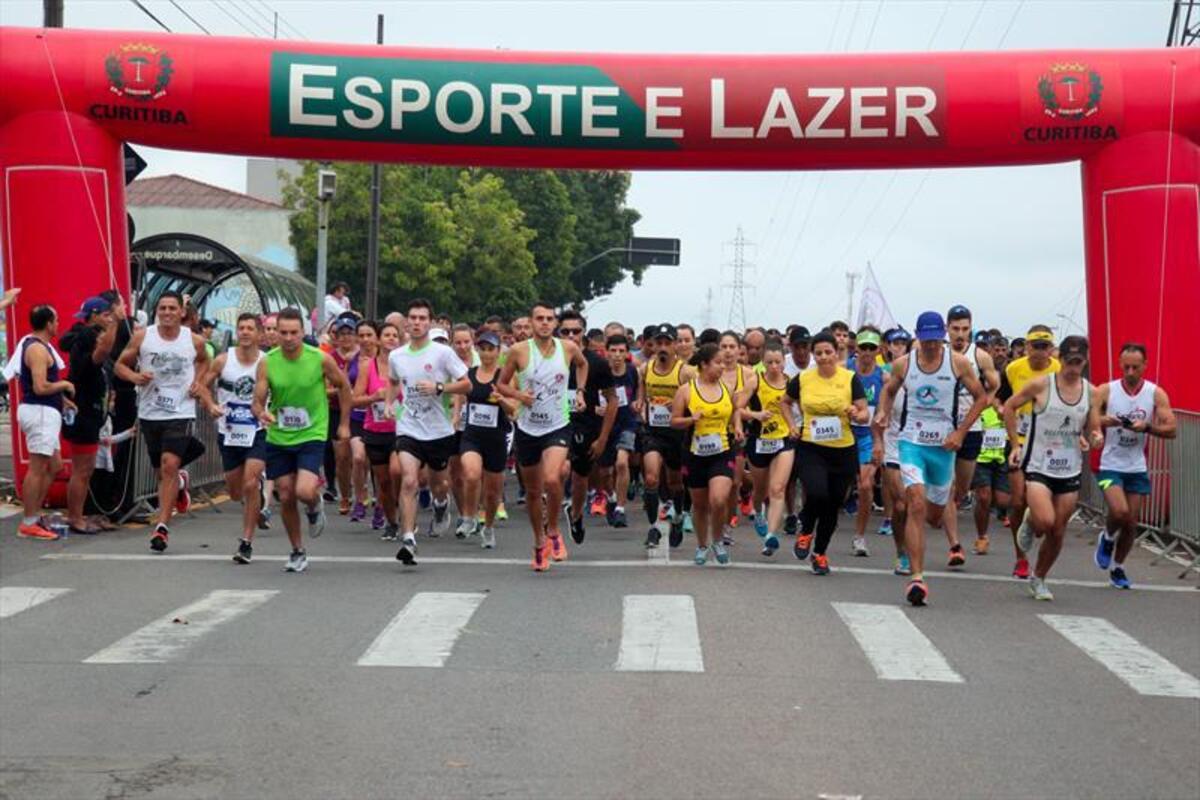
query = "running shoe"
x=488 y=539
x=328 y=496
x=541 y=558
x=860 y=547
x=688 y=525
x=635 y=488
x=885 y=528
x=378 y=518
x=745 y=506
x=344 y=506
x=727 y=536
x=38 y=531
x=316 y=520
x=734 y=521
x=701 y=557
x=501 y=512
x=297 y=562
x=820 y=564
x=521 y=495
x=957 y=557
x=1118 y=578
x=577 y=530
x=183 y=500
x=158 y=539
x=264 y=519
x=618 y=518
x=1021 y=569
x=465 y=528
x=720 y=553
x=408 y=549
x=425 y=498
x=558 y=548
x=441 y=519
x=1004 y=521
x=358 y=512
x=665 y=510
x=610 y=513
x=760 y=525
x=244 y=553
x=982 y=543
x=770 y=544
x=917 y=592
x=968 y=503
x=1025 y=535
x=790 y=524
x=852 y=505
x=902 y=565
x=599 y=505
x=675 y=534
x=1038 y=589
x=803 y=545
x=391 y=532
x=1104 y=551
x=654 y=536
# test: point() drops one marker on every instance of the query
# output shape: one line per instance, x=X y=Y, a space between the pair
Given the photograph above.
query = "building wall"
x=264 y=234
x=262 y=177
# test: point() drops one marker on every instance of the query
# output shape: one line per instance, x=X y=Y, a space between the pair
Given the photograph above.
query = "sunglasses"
x=1074 y=361
x=868 y=347
x=570 y=331
x=1041 y=345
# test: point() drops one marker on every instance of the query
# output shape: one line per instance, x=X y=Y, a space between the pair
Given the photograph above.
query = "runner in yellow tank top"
x=741 y=381
x=662 y=445
x=769 y=447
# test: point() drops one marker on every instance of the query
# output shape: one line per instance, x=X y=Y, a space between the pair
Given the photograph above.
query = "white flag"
x=872 y=307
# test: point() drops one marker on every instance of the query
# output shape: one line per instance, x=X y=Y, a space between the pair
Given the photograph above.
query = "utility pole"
x=851 y=279
x=739 y=265
x=372 y=299
x=52 y=13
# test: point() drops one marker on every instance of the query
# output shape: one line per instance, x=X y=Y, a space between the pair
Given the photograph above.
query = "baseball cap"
x=1073 y=347
x=982 y=338
x=344 y=323
x=799 y=335
x=488 y=337
x=664 y=331
x=867 y=337
x=93 y=305
x=930 y=327
x=439 y=333
x=958 y=312
x=898 y=335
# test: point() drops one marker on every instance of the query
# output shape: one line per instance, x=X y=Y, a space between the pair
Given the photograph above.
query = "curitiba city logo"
x=1070 y=92
x=140 y=73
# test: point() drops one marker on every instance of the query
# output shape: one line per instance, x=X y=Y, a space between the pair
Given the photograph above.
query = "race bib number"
x=1062 y=461
x=1128 y=438
x=538 y=417
x=710 y=444
x=932 y=433
x=483 y=416
x=994 y=438
x=293 y=419
x=660 y=416
x=826 y=429
x=167 y=399
x=622 y=400
x=240 y=425
x=378 y=409
x=765 y=447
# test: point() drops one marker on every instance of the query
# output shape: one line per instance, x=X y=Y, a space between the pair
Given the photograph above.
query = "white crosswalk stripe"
x=659 y=634
x=423 y=634
x=15 y=599
x=171 y=635
x=1138 y=666
x=895 y=646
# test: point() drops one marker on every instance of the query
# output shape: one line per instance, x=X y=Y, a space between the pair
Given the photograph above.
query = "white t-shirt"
x=335 y=306
x=789 y=365
x=424 y=417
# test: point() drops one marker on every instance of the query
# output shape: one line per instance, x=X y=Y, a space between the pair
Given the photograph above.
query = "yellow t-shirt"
x=824 y=402
x=1019 y=373
x=710 y=435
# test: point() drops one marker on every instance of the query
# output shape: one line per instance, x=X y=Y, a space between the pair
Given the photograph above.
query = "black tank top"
x=479 y=394
x=28 y=396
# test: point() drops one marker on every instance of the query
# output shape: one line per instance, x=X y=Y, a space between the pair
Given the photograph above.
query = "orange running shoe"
x=36 y=531
x=803 y=545
x=541 y=561
x=558 y=548
x=344 y=506
x=745 y=507
x=820 y=564
x=957 y=557
x=599 y=505
x=981 y=546
x=733 y=521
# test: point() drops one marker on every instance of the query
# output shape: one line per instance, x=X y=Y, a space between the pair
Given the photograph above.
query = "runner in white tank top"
x=1132 y=410
x=1065 y=423
x=172 y=366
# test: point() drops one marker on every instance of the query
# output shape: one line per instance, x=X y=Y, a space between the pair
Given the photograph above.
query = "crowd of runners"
x=786 y=429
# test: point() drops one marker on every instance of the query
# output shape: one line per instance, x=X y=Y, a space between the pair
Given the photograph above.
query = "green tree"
x=544 y=198
x=604 y=221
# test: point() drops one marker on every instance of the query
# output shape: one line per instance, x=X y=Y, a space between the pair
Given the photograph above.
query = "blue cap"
x=93 y=305
x=898 y=335
x=489 y=337
x=930 y=327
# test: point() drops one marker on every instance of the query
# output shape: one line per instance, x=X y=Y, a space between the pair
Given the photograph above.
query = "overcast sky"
x=1008 y=242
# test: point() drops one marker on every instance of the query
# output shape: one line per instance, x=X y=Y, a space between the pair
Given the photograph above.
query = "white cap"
x=439 y=333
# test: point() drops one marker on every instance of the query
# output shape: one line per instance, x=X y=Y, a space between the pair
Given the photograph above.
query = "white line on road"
x=169 y=636
x=895 y=646
x=1137 y=665
x=659 y=634
x=602 y=563
x=15 y=599
x=424 y=632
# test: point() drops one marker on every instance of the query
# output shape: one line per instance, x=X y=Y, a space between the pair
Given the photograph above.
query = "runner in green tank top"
x=293 y=376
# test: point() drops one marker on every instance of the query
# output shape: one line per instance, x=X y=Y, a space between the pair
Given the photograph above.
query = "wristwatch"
x=441 y=387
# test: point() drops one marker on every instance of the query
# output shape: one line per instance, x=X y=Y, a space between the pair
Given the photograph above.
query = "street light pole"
x=322 y=248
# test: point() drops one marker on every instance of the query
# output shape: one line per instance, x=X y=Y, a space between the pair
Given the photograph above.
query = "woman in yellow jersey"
x=769 y=446
x=706 y=406
x=741 y=381
x=832 y=398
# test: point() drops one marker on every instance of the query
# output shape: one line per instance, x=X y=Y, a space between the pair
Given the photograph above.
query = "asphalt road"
x=614 y=675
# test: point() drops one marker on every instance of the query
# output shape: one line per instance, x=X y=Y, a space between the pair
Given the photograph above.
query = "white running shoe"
x=297 y=562
x=1039 y=590
x=489 y=539
x=860 y=546
x=1025 y=534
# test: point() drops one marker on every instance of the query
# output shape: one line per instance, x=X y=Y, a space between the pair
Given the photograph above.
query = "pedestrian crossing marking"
x=895 y=646
x=659 y=634
x=1144 y=670
x=424 y=632
x=15 y=599
x=171 y=635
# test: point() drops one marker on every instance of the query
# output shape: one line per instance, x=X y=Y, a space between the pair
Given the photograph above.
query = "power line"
x=255 y=23
x=149 y=14
x=236 y=21
x=190 y=17
x=283 y=20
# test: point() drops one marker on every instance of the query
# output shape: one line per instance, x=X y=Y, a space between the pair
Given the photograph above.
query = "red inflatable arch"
x=71 y=97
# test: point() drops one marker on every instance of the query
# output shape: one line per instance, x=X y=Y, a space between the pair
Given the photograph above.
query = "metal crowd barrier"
x=1170 y=520
x=204 y=473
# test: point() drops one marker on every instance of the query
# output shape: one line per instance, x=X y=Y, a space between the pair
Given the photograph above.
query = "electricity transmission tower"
x=1185 y=24
x=706 y=316
x=739 y=265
